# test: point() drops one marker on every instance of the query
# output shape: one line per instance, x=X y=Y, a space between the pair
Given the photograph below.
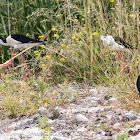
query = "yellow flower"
x=40 y=36
x=55 y=35
x=47 y=56
x=27 y=34
x=83 y=18
x=111 y=0
x=45 y=105
x=113 y=79
x=14 y=54
x=77 y=40
x=62 y=59
x=136 y=62
x=35 y=52
x=53 y=29
x=113 y=53
x=95 y=33
x=80 y=32
x=131 y=15
x=83 y=28
x=58 y=16
x=73 y=36
x=76 y=20
x=43 y=64
x=63 y=45
x=42 y=45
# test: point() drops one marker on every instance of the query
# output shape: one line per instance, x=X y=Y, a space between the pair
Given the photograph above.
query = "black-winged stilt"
x=19 y=42
x=138 y=83
x=113 y=45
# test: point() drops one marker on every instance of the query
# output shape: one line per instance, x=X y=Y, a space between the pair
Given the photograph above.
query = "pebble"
x=94 y=91
x=95 y=98
x=81 y=118
x=42 y=111
x=112 y=100
x=129 y=115
x=73 y=86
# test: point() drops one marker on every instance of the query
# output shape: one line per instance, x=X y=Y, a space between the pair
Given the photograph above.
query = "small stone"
x=112 y=100
x=82 y=129
x=81 y=118
x=94 y=90
x=73 y=86
x=129 y=115
x=42 y=110
x=53 y=114
x=118 y=111
x=95 y=98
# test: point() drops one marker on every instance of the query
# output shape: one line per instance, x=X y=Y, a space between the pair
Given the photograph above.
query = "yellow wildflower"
x=111 y=0
x=27 y=34
x=55 y=35
x=131 y=15
x=95 y=33
x=80 y=32
x=136 y=62
x=73 y=37
x=53 y=29
x=76 y=20
x=43 y=64
x=45 y=105
x=47 y=56
x=62 y=59
x=83 y=28
x=58 y=16
x=14 y=54
x=113 y=53
x=83 y=18
x=40 y=36
x=42 y=45
x=35 y=52
x=113 y=79
x=63 y=45
x=77 y=40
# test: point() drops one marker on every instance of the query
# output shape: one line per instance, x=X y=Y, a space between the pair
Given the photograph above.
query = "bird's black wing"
x=138 y=83
x=24 y=39
x=122 y=42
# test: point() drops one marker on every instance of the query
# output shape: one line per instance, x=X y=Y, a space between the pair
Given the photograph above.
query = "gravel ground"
x=95 y=116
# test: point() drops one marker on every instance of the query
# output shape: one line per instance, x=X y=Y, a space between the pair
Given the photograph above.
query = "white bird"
x=109 y=41
x=19 y=41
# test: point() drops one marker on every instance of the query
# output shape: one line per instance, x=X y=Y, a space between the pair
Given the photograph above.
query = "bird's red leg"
x=122 y=62
x=9 y=61
x=25 y=68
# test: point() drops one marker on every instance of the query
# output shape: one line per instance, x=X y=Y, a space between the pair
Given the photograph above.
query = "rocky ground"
x=96 y=115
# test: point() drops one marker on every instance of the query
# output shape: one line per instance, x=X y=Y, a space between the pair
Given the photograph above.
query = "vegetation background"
x=74 y=51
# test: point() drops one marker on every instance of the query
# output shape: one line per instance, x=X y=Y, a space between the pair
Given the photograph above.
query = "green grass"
x=85 y=57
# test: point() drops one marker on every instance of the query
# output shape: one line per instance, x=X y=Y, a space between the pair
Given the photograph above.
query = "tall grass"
x=86 y=59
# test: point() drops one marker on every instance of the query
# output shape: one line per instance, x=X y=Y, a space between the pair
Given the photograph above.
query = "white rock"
x=82 y=129
x=129 y=115
x=42 y=110
x=95 y=98
x=94 y=90
x=112 y=100
x=81 y=118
